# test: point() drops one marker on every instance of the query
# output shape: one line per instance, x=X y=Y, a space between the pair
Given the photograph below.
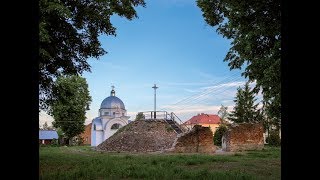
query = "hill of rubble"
x=140 y=136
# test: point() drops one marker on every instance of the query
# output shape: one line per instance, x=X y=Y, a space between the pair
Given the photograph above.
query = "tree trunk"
x=68 y=141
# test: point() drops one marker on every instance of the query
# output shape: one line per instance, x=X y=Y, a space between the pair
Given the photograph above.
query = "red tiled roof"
x=204 y=119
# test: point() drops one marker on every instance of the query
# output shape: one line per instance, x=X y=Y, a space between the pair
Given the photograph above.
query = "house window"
x=114 y=113
x=116 y=126
x=106 y=113
x=122 y=114
x=86 y=139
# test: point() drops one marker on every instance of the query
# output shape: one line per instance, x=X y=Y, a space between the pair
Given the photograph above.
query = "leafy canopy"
x=254 y=27
x=68 y=34
x=68 y=107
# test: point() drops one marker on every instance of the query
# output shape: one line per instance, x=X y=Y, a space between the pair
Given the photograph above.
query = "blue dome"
x=112 y=102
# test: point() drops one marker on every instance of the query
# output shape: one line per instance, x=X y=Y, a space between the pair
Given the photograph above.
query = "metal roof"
x=48 y=134
x=112 y=102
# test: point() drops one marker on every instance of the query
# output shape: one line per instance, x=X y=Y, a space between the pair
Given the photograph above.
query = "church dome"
x=112 y=102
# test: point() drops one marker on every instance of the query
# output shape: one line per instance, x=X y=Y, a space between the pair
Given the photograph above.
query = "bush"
x=54 y=142
x=274 y=139
x=218 y=135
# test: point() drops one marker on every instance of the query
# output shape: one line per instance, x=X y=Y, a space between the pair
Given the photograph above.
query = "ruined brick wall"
x=244 y=136
x=86 y=135
x=198 y=140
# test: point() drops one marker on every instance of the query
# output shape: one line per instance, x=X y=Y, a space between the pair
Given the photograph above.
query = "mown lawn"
x=83 y=163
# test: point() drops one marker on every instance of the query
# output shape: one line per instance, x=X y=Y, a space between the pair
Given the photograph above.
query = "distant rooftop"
x=48 y=134
x=204 y=119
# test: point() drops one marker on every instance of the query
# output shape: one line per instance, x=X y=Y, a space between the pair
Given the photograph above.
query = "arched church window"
x=94 y=127
x=116 y=126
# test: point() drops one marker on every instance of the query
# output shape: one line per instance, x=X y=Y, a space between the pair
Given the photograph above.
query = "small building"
x=86 y=135
x=206 y=120
x=112 y=116
x=46 y=136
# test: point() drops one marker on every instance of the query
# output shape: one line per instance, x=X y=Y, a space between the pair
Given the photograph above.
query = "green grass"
x=83 y=163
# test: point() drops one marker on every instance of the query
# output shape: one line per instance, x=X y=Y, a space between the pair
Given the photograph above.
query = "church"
x=112 y=116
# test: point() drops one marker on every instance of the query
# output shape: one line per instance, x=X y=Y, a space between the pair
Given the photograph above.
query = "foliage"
x=68 y=36
x=169 y=128
x=274 y=138
x=77 y=141
x=217 y=137
x=54 y=142
x=245 y=110
x=81 y=162
x=255 y=30
x=223 y=113
x=69 y=105
x=140 y=116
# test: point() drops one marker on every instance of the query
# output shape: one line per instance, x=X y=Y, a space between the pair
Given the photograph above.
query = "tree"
x=140 y=116
x=245 y=110
x=71 y=98
x=68 y=36
x=223 y=113
x=254 y=28
x=217 y=137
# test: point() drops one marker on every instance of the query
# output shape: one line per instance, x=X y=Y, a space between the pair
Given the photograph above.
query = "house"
x=207 y=120
x=86 y=135
x=46 y=136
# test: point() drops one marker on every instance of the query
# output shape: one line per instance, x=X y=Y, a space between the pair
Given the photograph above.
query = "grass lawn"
x=80 y=162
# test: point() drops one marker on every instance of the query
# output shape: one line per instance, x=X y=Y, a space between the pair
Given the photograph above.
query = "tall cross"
x=112 y=87
x=155 y=89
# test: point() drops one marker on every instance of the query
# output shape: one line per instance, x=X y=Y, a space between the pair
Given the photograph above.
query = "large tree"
x=245 y=109
x=68 y=34
x=68 y=107
x=254 y=28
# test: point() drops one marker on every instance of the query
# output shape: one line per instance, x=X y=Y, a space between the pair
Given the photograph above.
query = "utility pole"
x=155 y=89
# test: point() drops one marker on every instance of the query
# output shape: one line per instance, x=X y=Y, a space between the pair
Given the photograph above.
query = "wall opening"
x=116 y=126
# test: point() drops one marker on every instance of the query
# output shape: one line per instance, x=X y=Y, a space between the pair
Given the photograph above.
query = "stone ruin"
x=243 y=136
x=198 y=140
x=159 y=136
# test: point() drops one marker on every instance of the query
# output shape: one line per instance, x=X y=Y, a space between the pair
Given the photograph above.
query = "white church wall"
x=107 y=130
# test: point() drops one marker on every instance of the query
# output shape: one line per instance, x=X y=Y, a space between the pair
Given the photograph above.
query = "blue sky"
x=170 y=45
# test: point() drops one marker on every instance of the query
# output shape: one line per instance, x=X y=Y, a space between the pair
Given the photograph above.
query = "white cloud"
x=229 y=84
x=190 y=90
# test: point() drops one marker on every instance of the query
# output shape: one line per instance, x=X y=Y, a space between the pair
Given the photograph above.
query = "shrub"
x=218 y=135
x=54 y=142
x=274 y=139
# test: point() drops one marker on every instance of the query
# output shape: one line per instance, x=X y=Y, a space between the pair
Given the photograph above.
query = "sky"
x=169 y=45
